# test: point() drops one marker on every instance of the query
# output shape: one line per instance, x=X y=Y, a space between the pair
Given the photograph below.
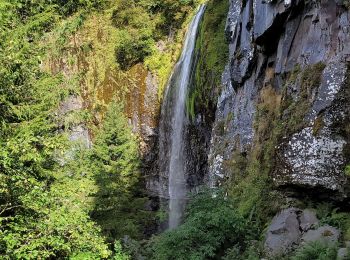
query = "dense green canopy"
x=50 y=209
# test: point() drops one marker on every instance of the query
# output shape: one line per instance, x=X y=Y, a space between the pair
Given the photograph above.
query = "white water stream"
x=176 y=99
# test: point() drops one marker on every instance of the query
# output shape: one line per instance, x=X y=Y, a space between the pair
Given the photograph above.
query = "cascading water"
x=172 y=126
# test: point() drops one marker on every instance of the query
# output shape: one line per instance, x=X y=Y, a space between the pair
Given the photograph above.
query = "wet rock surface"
x=268 y=40
x=197 y=148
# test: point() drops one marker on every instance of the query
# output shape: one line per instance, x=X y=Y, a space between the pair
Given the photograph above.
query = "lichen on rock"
x=301 y=50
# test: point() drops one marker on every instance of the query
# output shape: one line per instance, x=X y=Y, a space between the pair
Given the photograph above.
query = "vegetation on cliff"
x=61 y=200
x=57 y=199
x=211 y=58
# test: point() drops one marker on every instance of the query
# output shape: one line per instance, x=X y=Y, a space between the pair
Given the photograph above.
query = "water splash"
x=172 y=126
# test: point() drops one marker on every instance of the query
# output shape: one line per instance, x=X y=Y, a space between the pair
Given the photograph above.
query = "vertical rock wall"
x=301 y=49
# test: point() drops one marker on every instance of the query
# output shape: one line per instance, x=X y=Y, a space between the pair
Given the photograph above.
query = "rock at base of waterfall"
x=325 y=234
x=308 y=220
x=293 y=228
x=343 y=254
x=283 y=233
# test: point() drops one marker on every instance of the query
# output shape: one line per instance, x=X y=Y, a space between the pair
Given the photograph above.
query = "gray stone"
x=241 y=65
x=268 y=39
x=71 y=104
x=319 y=163
x=308 y=219
x=283 y=233
x=77 y=132
x=80 y=133
x=325 y=234
x=343 y=253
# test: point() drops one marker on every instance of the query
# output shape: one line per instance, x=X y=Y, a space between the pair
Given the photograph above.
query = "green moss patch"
x=212 y=55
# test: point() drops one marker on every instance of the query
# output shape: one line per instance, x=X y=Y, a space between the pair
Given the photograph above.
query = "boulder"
x=283 y=233
x=293 y=226
x=342 y=254
x=325 y=234
x=308 y=220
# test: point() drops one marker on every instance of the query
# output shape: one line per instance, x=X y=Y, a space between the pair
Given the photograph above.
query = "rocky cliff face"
x=296 y=53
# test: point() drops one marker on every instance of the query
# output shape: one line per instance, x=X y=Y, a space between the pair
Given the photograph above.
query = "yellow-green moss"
x=293 y=112
x=277 y=115
x=318 y=125
x=311 y=79
x=83 y=48
x=250 y=185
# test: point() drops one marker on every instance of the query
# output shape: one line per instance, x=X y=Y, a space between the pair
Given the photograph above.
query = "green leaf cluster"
x=141 y=23
x=44 y=205
x=114 y=162
x=211 y=226
x=58 y=199
x=316 y=250
x=211 y=55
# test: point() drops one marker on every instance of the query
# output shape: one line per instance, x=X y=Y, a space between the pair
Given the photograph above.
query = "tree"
x=115 y=163
x=211 y=225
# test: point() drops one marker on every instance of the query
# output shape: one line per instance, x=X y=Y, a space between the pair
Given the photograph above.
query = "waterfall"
x=172 y=126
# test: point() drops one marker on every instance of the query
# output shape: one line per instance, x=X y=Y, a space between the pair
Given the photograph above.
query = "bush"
x=347 y=170
x=133 y=47
x=316 y=251
x=212 y=225
x=141 y=24
x=114 y=162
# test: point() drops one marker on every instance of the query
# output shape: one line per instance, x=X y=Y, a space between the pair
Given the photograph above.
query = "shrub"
x=334 y=217
x=316 y=251
x=114 y=162
x=212 y=224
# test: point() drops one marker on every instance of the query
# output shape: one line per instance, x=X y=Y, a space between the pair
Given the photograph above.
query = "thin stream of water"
x=175 y=99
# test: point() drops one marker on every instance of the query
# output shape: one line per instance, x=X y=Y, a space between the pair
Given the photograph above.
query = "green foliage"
x=118 y=253
x=347 y=170
x=211 y=225
x=29 y=8
x=50 y=189
x=334 y=217
x=44 y=207
x=252 y=252
x=135 y=33
x=212 y=54
x=141 y=23
x=250 y=184
x=151 y=31
x=114 y=161
x=316 y=251
x=69 y=27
